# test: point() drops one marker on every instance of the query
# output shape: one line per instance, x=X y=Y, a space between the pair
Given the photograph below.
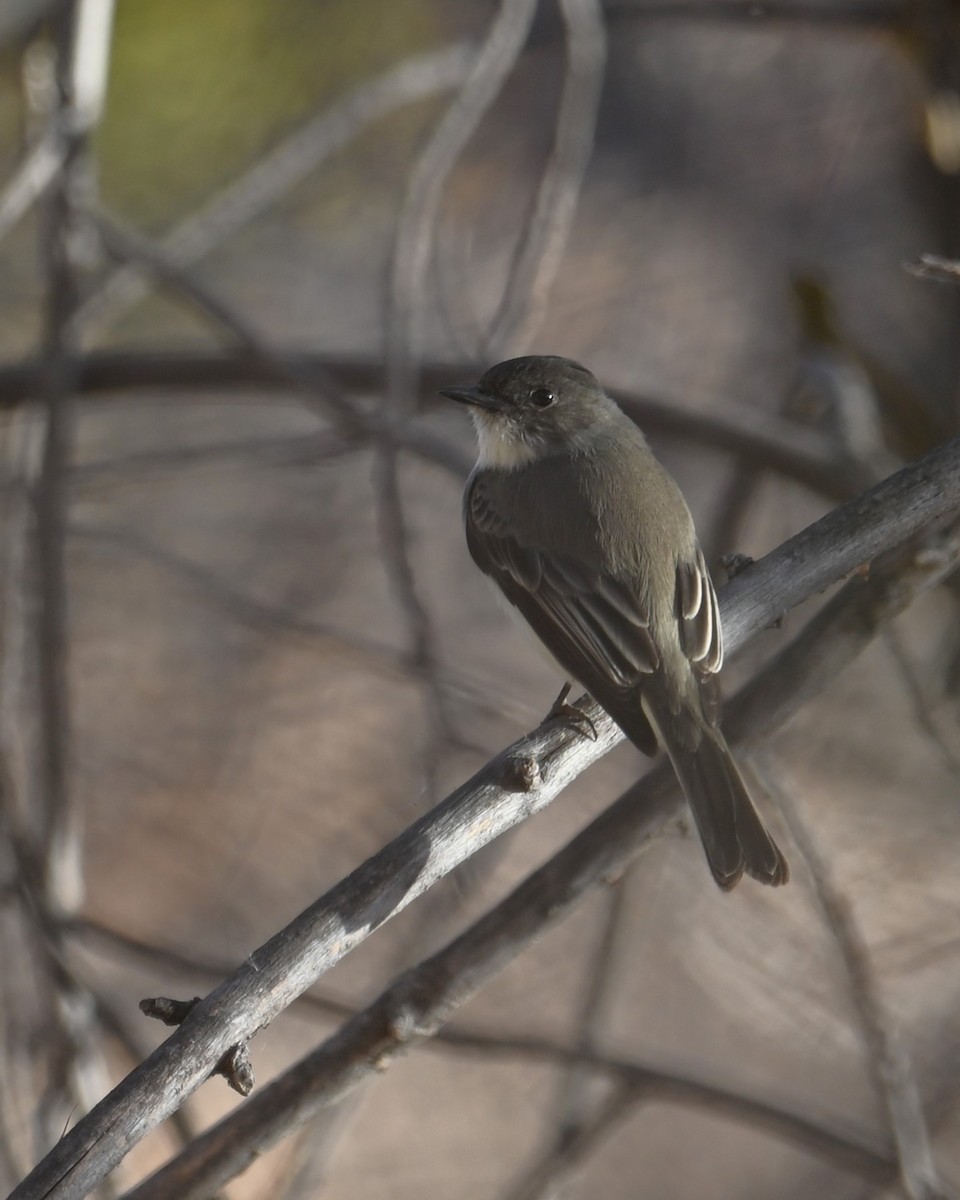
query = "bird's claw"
x=571 y=715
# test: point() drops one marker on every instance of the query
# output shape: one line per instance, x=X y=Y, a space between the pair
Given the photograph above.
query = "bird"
x=588 y=536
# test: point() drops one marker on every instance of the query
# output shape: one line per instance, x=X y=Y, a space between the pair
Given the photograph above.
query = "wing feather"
x=603 y=617
x=583 y=616
x=699 y=615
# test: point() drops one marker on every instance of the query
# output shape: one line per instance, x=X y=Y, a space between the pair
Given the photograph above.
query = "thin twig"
x=418 y=217
x=932 y=266
x=855 y=14
x=553 y=1168
x=892 y=1071
x=922 y=713
x=573 y=1111
x=850 y=1148
x=31 y=179
x=759 y=438
x=278 y=172
x=262 y=615
x=544 y=239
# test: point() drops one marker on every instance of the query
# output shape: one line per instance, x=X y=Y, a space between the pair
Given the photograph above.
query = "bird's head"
x=533 y=407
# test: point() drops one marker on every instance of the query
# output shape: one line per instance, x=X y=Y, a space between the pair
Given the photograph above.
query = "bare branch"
x=543 y=1178
x=545 y=235
x=762 y=439
x=274 y=175
x=520 y=781
x=46 y=846
x=573 y=1115
x=845 y=539
x=420 y=1001
x=854 y=14
x=848 y=1147
x=921 y=708
x=32 y=178
x=418 y=218
x=262 y=615
x=892 y=1070
x=932 y=266
x=317 y=384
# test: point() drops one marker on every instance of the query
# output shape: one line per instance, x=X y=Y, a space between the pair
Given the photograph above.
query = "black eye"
x=542 y=397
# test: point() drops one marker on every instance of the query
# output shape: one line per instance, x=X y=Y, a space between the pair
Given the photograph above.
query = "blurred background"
x=242 y=642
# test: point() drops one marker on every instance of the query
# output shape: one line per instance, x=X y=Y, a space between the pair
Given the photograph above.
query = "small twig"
x=573 y=1114
x=761 y=439
x=235 y=1065
x=279 y=171
x=921 y=708
x=892 y=1071
x=263 y=615
x=932 y=266
x=544 y=239
x=418 y=217
x=394 y=543
x=554 y=1167
x=848 y=1148
x=31 y=179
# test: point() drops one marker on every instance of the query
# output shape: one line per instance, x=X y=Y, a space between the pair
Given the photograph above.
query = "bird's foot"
x=733 y=564
x=571 y=715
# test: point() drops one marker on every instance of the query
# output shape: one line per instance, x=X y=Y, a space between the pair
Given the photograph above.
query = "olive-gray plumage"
x=589 y=537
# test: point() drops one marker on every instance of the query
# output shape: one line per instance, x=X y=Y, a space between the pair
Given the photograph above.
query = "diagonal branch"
x=553 y=1168
x=519 y=782
x=420 y=1001
x=31 y=179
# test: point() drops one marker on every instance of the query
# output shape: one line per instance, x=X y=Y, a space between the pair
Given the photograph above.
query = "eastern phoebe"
x=589 y=537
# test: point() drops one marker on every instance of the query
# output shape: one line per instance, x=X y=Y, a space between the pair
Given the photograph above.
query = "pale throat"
x=498 y=446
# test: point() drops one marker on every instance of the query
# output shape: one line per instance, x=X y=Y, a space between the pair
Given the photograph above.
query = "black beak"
x=473 y=395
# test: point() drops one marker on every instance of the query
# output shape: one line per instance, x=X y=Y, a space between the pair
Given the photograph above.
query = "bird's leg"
x=569 y=713
x=733 y=564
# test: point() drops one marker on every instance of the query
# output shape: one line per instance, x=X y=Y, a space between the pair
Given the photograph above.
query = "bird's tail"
x=734 y=836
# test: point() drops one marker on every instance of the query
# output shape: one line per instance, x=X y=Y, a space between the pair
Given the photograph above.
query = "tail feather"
x=734 y=836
